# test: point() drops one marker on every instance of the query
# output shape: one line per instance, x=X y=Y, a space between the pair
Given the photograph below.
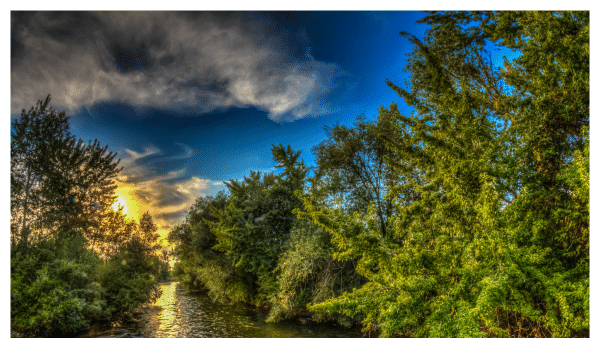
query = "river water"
x=180 y=314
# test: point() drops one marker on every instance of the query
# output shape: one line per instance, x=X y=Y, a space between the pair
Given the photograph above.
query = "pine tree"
x=492 y=209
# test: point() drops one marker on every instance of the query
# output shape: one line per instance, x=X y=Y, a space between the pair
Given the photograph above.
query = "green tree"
x=131 y=274
x=231 y=245
x=53 y=288
x=58 y=183
x=199 y=265
x=308 y=273
x=78 y=187
x=250 y=247
x=351 y=165
x=142 y=243
x=34 y=137
x=73 y=259
x=492 y=219
x=112 y=232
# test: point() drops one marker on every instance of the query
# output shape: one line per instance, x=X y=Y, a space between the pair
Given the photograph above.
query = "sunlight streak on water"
x=177 y=313
x=168 y=321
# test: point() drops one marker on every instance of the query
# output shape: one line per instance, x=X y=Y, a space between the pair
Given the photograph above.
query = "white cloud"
x=195 y=63
x=147 y=152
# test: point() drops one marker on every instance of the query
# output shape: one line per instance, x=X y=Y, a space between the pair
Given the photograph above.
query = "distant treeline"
x=467 y=217
x=74 y=259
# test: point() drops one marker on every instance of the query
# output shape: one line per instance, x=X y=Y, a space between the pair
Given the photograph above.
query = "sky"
x=189 y=100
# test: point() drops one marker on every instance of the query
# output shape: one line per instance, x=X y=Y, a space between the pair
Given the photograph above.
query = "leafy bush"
x=307 y=273
x=50 y=286
x=126 y=286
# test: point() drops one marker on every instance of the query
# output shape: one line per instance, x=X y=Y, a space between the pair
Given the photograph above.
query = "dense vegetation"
x=467 y=217
x=73 y=258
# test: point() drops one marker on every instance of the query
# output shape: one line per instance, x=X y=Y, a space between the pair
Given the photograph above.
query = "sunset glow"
x=134 y=209
x=126 y=200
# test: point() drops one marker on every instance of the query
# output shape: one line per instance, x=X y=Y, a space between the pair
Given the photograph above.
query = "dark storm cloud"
x=178 y=61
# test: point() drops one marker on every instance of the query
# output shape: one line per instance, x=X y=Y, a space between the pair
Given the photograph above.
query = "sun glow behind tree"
x=125 y=199
x=134 y=208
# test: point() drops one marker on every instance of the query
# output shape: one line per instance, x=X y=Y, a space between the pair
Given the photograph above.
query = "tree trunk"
x=24 y=229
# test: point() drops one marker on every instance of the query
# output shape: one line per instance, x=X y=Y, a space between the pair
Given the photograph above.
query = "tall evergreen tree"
x=493 y=212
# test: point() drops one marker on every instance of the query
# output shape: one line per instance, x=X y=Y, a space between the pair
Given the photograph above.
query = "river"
x=178 y=313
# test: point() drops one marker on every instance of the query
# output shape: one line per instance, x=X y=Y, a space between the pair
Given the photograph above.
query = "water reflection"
x=167 y=320
x=179 y=314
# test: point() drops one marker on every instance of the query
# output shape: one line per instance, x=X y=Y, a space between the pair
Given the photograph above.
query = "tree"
x=352 y=162
x=129 y=276
x=492 y=229
x=141 y=244
x=58 y=183
x=34 y=137
x=112 y=232
x=230 y=245
x=200 y=266
x=73 y=259
x=249 y=246
x=78 y=187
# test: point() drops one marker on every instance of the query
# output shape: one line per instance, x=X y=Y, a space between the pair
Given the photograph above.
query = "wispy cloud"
x=147 y=152
x=188 y=152
x=166 y=196
x=177 y=61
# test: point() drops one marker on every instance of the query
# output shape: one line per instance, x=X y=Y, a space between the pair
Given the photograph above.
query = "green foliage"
x=34 y=137
x=200 y=267
x=51 y=286
x=249 y=246
x=351 y=169
x=126 y=287
x=130 y=277
x=468 y=217
x=77 y=186
x=58 y=183
x=307 y=273
x=254 y=225
x=58 y=285
x=68 y=247
x=113 y=232
x=493 y=183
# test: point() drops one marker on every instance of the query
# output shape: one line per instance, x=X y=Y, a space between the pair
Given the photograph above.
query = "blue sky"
x=192 y=99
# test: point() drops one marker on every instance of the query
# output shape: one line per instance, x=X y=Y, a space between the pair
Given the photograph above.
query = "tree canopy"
x=492 y=204
x=74 y=259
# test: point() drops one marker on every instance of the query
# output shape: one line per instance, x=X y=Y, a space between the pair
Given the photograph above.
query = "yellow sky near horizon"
x=133 y=210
